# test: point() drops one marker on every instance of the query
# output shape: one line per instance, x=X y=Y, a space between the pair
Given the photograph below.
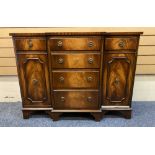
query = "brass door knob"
x=35 y=81
x=90 y=60
x=61 y=60
x=89 y=99
x=62 y=98
x=122 y=43
x=89 y=79
x=30 y=43
x=59 y=43
x=61 y=79
x=90 y=44
x=116 y=81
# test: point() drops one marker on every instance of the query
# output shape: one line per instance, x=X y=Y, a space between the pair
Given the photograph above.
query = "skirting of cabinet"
x=97 y=114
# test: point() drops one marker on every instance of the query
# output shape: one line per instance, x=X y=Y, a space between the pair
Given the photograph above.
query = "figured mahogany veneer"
x=76 y=72
x=75 y=43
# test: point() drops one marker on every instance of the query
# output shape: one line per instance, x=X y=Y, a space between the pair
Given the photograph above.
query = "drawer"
x=31 y=44
x=76 y=100
x=81 y=43
x=76 y=60
x=75 y=79
x=123 y=43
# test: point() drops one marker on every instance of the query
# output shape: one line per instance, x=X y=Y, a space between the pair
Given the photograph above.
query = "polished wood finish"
x=66 y=60
x=117 y=78
x=75 y=79
x=121 y=43
x=34 y=80
x=33 y=44
x=76 y=100
x=76 y=72
x=78 y=43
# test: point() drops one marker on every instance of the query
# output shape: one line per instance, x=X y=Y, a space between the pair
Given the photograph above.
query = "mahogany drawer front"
x=76 y=100
x=75 y=60
x=75 y=43
x=123 y=43
x=75 y=79
x=30 y=44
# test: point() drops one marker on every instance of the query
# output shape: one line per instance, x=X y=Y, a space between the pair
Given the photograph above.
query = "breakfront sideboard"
x=89 y=72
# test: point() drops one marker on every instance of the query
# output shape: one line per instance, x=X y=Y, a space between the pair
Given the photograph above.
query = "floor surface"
x=143 y=116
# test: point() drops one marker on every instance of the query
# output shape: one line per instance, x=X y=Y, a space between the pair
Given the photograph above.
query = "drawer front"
x=31 y=44
x=76 y=61
x=75 y=79
x=124 y=43
x=76 y=100
x=87 y=43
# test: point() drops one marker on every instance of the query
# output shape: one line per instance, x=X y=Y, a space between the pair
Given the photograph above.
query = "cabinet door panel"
x=34 y=81
x=118 y=78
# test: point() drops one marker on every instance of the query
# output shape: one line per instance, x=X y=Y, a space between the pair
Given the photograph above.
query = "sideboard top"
x=73 y=34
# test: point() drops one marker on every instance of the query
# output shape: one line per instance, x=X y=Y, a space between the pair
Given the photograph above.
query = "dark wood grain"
x=76 y=72
x=117 y=78
x=75 y=79
x=75 y=43
x=76 y=100
x=34 y=79
x=75 y=61
x=30 y=44
x=121 y=43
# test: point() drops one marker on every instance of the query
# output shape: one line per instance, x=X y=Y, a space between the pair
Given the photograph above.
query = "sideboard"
x=90 y=72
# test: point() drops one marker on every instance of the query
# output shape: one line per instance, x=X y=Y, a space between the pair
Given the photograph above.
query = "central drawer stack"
x=75 y=72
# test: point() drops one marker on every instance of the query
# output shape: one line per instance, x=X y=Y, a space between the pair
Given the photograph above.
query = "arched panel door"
x=34 y=80
x=118 y=78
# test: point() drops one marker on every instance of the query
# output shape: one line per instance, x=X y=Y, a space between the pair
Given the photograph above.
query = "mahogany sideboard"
x=89 y=72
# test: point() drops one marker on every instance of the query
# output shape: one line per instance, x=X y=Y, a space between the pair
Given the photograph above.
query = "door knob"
x=122 y=43
x=62 y=98
x=59 y=43
x=61 y=79
x=30 y=43
x=89 y=79
x=61 y=60
x=90 y=60
x=90 y=44
x=89 y=99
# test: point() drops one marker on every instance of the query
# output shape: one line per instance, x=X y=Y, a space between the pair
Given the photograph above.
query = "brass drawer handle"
x=90 y=44
x=117 y=81
x=61 y=60
x=35 y=81
x=59 y=43
x=89 y=99
x=61 y=79
x=62 y=98
x=90 y=60
x=89 y=79
x=122 y=43
x=30 y=43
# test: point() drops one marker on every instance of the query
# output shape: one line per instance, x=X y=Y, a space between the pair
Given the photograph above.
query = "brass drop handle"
x=89 y=79
x=30 y=43
x=122 y=43
x=61 y=79
x=90 y=60
x=59 y=43
x=89 y=99
x=90 y=44
x=61 y=60
x=62 y=98
x=35 y=81
x=116 y=81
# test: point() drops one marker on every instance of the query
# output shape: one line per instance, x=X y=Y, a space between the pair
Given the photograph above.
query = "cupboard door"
x=118 y=79
x=34 y=80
